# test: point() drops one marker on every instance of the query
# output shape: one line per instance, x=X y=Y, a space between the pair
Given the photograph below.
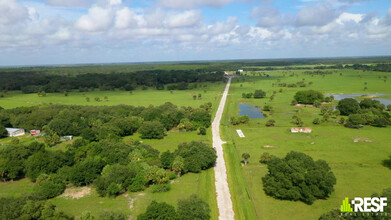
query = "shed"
x=14 y=132
x=35 y=132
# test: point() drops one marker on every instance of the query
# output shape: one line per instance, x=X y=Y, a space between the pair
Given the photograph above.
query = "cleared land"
x=356 y=165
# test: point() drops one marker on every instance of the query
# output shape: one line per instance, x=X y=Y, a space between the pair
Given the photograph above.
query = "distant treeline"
x=36 y=81
x=377 y=67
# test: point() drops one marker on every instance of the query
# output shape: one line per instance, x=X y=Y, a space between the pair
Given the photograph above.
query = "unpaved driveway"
x=224 y=202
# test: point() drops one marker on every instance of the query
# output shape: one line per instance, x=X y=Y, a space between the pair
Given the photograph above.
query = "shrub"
x=259 y=94
x=355 y=121
x=152 y=130
x=157 y=210
x=160 y=188
x=193 y=208
x=308 y=96
x=348 y=106
x=265 y=158
x=316 y=121
x=270 y=123
x=197 y=156
x=298 y=177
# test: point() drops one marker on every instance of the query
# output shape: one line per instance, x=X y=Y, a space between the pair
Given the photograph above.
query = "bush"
x=308 y=96
x=298 y=177
x=201 y=131
x=348 y=106
x=110 y=215
x=270 y=123
x=3 y=131
x=244 y=119
x=266 y=108
x=316 y=121
x=193 y=208
x=160 y=188
x=157 y=210
x=259 y=94
x=265 y=158
x=152 y=130
x=197 y=156
x=355 y=121
x=50 y=187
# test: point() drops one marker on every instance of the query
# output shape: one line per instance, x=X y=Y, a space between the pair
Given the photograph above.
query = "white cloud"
x=184 y=19
x=12 y=12
x=190 y=4
x=69 y=3
x=349 y=17
x=98 y=19
x=316 y=15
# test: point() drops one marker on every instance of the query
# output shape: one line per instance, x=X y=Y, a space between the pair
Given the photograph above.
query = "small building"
x=35 y=132
x=301 y=130
x=66 y=138
x=240 y=71
x=14 y=132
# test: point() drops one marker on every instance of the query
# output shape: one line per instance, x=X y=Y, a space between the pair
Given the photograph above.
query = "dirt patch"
x=269 y=146
x=76 y=192
x=305 y=105
x=362 y=139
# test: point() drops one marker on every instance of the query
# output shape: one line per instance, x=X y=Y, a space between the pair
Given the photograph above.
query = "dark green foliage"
x=110 y=215
x=348 y=106
x=86 y=172
x=127 y=126
x=308 y=96
x=167 y=158
x=197 y=156
x=316 y=121
x=193 y=208
x=387 y=162
x=13 y=158
x=202 y=131
x=46 y=162
x=114 y=180
x=152 y=130
x=160 y=188
x=259 y=94
x=3 y=131
x=265 y=158
x=161 y=211
x=200 y=117
x=355 y=121
x=298 y=177
x=50 y=187
x=25 y=208
x=138 y=183
x=370 y=103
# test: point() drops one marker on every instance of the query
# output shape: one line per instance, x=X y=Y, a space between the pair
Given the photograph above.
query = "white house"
x=240 y=71
x=14 y=132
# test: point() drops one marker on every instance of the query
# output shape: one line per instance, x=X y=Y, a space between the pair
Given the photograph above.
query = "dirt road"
x=224 y=201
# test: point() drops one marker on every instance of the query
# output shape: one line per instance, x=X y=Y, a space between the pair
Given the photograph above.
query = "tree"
x=201 y=131
x=193 y=208
x=348 y=106
x=152 y=130
x=157 y=210
x=50 y=187
x=316 y=121
x=167 y=158
x=245 y=157
x=259 y=94
x=389 y=108
x=308 y=96
x=178 y=165
x=298 y=177
x=197 y=156
x=355 y=121
x=270 y=123
x=3 y=131
x=265 y=158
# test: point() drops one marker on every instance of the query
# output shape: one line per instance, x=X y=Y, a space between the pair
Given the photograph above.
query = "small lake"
x=353 y=96
x=251 y=111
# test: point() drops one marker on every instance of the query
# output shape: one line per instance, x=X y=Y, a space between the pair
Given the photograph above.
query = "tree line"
x=37 y=81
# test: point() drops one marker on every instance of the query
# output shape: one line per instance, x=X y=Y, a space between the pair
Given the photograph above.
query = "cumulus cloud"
x=190 y=4
x=98 y=19
x=267 y=16
x=316 y=15
x=69 y=3
x=12 y=12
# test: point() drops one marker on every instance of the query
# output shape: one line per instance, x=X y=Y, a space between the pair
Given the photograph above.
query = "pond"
x=353 y=96
x=251 y=111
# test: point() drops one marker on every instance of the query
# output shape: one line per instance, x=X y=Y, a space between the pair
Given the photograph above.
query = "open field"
x=356 y=165
x=211 y=93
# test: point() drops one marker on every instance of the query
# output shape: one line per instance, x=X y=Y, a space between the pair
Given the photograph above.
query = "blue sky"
x=37 y=32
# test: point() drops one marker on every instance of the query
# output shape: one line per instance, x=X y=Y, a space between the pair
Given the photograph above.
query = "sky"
x=47 y=32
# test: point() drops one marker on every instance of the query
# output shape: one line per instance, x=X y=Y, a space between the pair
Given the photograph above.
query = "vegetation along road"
x=224 y=201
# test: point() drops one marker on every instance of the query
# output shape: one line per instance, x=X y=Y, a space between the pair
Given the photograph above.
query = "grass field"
x=211 y=93
x=356 y=165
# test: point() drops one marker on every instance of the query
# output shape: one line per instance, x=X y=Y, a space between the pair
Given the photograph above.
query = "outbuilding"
x=14 y=132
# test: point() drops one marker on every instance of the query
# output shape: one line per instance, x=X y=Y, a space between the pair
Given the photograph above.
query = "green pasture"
x=356 y=165
x=210 y=93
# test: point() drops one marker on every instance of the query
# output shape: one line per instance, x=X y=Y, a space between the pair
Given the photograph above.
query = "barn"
x=14 y=132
